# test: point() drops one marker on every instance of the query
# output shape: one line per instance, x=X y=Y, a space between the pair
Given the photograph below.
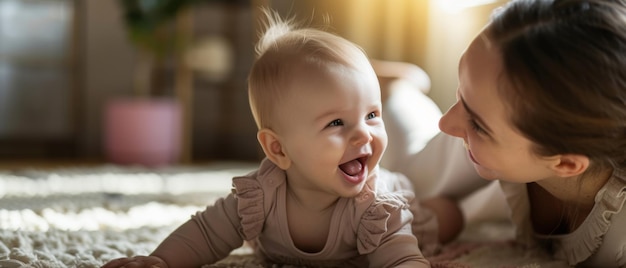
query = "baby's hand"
x=137 y=262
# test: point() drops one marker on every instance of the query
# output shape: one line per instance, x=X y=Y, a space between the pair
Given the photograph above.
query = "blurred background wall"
x=53 y=108
x=429 y=33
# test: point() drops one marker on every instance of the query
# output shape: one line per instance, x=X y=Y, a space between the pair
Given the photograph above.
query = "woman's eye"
x=336 y=122
x=371 y=115
x=476 y=127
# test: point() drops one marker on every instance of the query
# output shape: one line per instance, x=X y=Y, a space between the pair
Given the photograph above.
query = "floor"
x=44 y=163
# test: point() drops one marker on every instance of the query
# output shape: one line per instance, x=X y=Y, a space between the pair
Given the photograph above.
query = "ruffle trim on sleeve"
x=609 y=201
x=250 y=206
x=373 y=224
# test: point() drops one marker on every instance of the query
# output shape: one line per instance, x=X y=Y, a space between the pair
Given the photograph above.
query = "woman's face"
x=480 y=118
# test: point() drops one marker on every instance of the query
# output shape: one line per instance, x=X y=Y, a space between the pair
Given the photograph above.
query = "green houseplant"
x=149 y=25
x=150 y=128
x=147 y=128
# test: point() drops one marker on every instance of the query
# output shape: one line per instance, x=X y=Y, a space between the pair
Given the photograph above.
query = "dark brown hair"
x=564 y=74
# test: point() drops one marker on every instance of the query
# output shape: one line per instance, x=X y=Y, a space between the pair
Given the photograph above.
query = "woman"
x=541 y=107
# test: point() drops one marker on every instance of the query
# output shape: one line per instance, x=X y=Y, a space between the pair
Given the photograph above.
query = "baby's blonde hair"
x=281 y=47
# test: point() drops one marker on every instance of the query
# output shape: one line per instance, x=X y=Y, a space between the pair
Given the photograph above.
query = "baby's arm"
x=398 y=247
x=206 y=238
x=138 y=261
x=182 y=248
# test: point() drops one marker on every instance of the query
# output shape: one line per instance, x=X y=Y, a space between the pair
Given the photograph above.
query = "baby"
x=319 y=198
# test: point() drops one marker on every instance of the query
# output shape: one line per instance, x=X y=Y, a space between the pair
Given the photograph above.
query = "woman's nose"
x=452 y=122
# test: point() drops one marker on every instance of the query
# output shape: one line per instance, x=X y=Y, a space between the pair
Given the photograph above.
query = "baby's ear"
x=571 y=165
x=272 y=148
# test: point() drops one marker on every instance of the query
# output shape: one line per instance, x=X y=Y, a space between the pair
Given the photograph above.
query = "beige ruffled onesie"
x=375 y=228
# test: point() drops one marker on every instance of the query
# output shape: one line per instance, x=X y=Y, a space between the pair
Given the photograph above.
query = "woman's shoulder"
x=610 y=200
x=601 y=237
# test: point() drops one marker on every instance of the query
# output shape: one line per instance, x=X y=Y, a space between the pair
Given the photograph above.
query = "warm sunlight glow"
x=455 y=6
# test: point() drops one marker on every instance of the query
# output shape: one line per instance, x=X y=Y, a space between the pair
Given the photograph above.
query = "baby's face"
x=331 y=128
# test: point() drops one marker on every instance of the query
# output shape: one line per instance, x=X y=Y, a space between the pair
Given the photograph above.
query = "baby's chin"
x=352 y=194
x=358 y=192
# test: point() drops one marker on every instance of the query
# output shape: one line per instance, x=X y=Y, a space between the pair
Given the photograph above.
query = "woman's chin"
x=485 y=173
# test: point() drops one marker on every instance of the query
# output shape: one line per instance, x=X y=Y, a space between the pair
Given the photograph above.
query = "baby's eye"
x=336 y=122
x=371 y=115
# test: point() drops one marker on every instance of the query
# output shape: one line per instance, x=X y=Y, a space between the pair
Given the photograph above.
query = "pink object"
x=142 y=131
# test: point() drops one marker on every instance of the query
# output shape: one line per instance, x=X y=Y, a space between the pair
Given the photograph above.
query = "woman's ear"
x=569 y=165
x=272 y=148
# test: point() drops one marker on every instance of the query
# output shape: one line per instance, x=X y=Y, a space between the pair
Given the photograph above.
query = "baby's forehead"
x=314 y=65
x=325 y=72
x=292 y=70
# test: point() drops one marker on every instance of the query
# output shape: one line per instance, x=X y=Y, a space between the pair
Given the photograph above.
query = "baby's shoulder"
x=386 y=212
x=255 y=194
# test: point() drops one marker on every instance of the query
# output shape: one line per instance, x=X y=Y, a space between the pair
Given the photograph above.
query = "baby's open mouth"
x=354 y=169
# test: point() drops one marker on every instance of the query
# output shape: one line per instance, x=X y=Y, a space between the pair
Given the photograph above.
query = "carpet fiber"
x=83 y=217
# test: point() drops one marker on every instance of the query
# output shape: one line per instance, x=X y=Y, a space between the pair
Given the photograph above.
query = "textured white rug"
x=83 y=217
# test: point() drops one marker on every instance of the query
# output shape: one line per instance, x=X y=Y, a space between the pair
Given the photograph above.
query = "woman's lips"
x=472 y=157
x=469 y=152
